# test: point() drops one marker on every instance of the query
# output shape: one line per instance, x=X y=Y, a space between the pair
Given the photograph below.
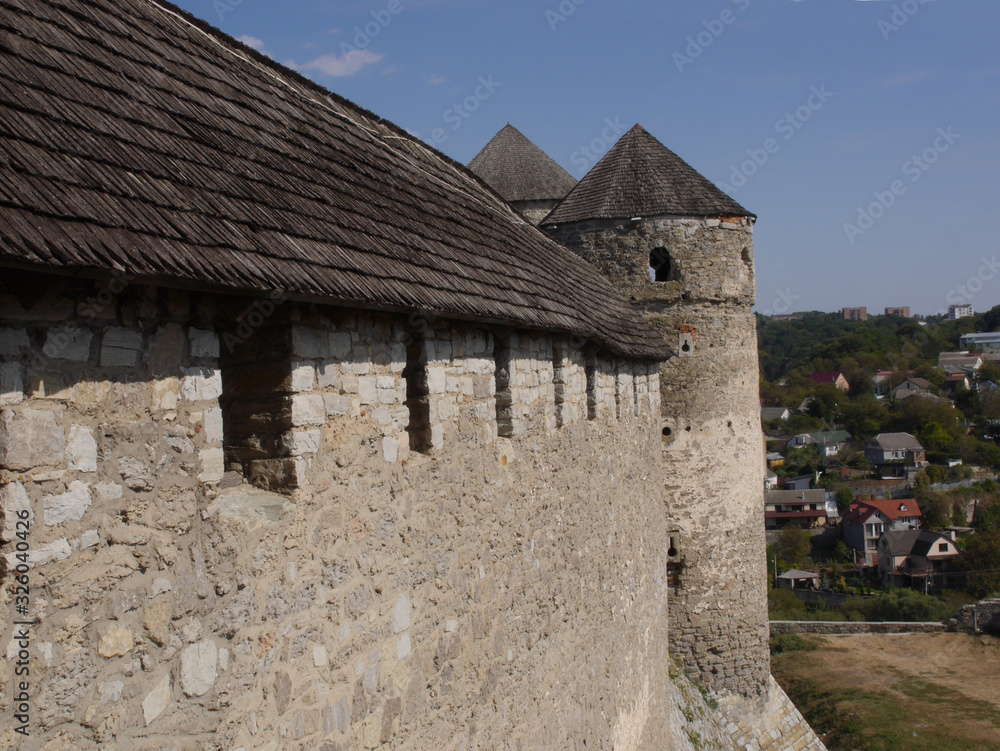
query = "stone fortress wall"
x=711 y=430
x=258 y=524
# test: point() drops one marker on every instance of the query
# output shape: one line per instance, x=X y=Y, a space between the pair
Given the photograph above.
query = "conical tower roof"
x=640 y=177
x=520 y=171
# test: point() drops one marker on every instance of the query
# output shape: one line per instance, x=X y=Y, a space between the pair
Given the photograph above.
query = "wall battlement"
x=387 y=595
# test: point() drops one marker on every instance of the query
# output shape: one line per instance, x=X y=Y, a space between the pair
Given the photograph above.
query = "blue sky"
x=807 y=112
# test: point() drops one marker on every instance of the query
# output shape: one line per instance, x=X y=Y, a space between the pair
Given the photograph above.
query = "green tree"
x=794 y=545
x=981 y=558
x=865 y=416
x=844 y=498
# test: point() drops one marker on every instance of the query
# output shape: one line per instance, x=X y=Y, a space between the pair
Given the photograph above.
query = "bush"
x=791 y=643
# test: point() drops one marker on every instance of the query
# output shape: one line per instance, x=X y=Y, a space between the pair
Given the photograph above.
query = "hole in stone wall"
x=746 y=257
x=502 y=360
x=672 y=551
x=668 y=433
x=591 y=388
x=661 y=266
x=417 y=395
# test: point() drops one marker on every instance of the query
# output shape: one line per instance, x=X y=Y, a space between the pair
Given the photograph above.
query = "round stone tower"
x=683 y=251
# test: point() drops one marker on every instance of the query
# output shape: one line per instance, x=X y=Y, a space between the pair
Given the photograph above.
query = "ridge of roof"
x=139 y=140
x=519 y=170
x=639 y=176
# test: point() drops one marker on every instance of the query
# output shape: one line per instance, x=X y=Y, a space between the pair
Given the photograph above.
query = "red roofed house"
x=835 y=377
x=865 y=521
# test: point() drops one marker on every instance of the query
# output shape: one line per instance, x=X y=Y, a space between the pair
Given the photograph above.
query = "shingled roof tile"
x=640 y=177
x=520 y=171
x=141 y=140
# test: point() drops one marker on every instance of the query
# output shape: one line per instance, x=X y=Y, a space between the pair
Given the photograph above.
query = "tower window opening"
x=661 y=266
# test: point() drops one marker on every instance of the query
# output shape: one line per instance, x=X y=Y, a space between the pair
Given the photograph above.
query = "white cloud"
x=436 y=80
x=339 y=66
x=250 y=41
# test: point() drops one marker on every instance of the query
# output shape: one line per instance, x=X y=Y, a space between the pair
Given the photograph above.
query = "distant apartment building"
x=980 y=342
x=901 y=312
x=960 y=311
x=855 y=314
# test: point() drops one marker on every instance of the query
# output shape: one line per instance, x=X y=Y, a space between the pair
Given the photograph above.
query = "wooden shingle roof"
x=640 y=177
x=520 y=171
x=136 y=139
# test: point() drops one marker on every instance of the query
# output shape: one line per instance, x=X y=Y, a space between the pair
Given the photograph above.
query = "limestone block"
x=108 y=491
x=81 y=449
x=120 y=348
x=14 y=499
x=308 y=410
x=201 y=384
x=390 y=449
x=204 y=343
x=110 y=691
x=213 y=425
x=401 y=615
x=337 y=405
x=30 y=438
x=303 y=376
x=320 y=658
x=13 y=341
x=303 y=442
x=340 y=345
x=329 y=375
x=249 y=506
x=437 y=436
x=157 y=700
x=68 y=506
x=359 y=368
x=136 y=474
x=387 y=396
x=89 y=539
x=156 y=618
x=437 y=380
x=309 y=343
x=68 y=343
x=165 y=395
x=117 y=642
x=11 y=384
x=199 y=668
x=213 y=465
x=368 y=390
x=58 y=550
x=403 y=647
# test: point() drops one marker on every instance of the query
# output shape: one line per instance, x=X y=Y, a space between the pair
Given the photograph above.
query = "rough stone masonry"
x=335 y=588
